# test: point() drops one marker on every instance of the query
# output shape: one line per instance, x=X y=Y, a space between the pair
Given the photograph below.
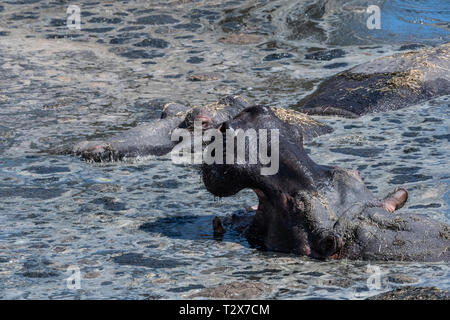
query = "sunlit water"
x=142 y=229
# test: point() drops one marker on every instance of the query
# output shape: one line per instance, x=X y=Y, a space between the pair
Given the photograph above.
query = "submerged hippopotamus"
x=154 y=138
x=319 y=211
x=383 y=84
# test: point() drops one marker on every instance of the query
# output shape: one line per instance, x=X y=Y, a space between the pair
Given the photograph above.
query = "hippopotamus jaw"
x=284 y=223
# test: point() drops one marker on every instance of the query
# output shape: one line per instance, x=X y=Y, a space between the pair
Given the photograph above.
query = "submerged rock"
x=278 y=56
x=234 y=290
x=157 y=19
x=241 y=39
x=325 y=55
x=153 y=43
x=207 y=76
x=413 y=293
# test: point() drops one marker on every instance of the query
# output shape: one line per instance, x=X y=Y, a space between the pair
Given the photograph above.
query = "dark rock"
x=143 y=11
x=412 y=46
x=207 y=76
x=336 y=65
x=360 y=152
x=23 y=17
x=119 y=40
x=188 y=26
x=405 y=170
x=241 y=39
x=105 y=20
x=142 y=54
x=132 y=28
x=195 y=60
x=209 y=15
x=47 y=170
x=98 y=30
x=38 y=269
x=277 y=56
x=234 y=290
x=325 y=55
x=63 y=36
x=154 y=43
x=110 y=204
x=173 y=76
x=401 y=278
x=442 y=137
x=21 y=1
x=30 y=193
x=408 y=178
x=187 y=288
x=85 y=14
x=137 y=259
x=58 y=22
x=106 y=187
x=157 y=19
x=413 y=293
x=231 y=26
x=421 y=206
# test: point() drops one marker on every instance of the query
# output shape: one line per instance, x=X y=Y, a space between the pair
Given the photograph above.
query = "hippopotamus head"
x=228 y=179
x=316 y=210
x=284 y=220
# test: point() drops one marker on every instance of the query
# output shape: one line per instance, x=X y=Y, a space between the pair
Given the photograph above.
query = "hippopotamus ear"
x=188 y=120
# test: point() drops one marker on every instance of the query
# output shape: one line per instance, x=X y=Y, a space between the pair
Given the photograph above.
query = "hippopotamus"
x=154 y=138
x=384 y=84
x=314 y=210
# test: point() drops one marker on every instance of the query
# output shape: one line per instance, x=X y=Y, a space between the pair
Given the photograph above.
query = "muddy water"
x=141 y=229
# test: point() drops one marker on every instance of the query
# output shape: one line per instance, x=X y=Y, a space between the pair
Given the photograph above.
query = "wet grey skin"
x=383 y=84
x=154 y=138
x=320 y=211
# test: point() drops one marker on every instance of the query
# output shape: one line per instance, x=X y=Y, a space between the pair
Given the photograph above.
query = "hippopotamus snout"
x=97 y=151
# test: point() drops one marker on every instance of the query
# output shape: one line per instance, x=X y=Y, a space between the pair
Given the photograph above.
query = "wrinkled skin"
x=383 y=84
x=320 y=211
x=154 y=138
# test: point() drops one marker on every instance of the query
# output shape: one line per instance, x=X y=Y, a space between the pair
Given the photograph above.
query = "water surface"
x=142 y=229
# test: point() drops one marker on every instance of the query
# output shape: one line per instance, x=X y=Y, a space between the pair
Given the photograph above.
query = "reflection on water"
x=143 y=229
x=425 y=20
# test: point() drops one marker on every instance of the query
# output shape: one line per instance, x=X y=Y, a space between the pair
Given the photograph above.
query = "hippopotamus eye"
x=256 y=110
